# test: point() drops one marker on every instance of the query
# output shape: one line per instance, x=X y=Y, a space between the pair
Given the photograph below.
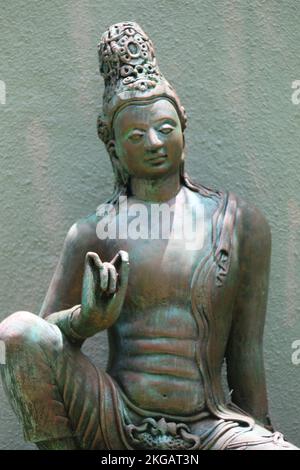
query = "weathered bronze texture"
x=173 y=312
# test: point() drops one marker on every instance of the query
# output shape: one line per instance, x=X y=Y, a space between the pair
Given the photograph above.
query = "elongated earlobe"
x=120 y=172
x=103 y=130
x=111 y=148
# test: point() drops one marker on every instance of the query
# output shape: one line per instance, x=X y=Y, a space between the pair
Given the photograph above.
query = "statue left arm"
x=244 y=355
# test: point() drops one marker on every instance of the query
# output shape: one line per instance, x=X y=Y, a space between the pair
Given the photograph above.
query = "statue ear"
x=103 y=129
x=111 y=148
x=120 y=172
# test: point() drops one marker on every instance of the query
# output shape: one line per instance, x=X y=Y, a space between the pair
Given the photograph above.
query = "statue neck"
x=157 y=189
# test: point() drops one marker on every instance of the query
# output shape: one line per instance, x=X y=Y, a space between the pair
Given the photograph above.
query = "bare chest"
x=164 y=247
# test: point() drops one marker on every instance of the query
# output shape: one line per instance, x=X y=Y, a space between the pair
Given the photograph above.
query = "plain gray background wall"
x=232 y=63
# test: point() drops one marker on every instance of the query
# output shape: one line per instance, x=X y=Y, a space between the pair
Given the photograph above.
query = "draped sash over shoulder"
x=212 y=295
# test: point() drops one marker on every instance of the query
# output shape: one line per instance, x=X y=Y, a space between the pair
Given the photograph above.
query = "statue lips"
x=157 y=159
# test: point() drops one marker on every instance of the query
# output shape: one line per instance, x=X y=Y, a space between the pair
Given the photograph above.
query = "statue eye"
x=135 y=136
x=166 y=129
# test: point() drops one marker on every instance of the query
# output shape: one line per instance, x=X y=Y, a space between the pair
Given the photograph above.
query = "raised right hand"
x=103 y=292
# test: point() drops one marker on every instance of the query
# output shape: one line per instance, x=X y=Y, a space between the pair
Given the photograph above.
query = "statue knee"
x=25 y=329
x=15 y=327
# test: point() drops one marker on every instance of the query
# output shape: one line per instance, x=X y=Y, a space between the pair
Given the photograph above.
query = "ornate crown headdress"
x=130 y=71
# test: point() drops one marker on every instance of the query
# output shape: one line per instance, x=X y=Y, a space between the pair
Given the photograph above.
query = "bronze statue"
x=173 y=312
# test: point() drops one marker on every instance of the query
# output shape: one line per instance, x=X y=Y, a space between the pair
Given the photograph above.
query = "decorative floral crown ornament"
x=130 y=71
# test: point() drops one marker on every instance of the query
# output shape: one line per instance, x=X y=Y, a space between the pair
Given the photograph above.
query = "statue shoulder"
x=82 y=234
x=251 y=224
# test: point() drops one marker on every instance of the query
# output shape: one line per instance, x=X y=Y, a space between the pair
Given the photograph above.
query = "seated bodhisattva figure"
x=178 y=275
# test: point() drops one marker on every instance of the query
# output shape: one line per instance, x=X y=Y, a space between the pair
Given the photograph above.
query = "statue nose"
x=153 y=142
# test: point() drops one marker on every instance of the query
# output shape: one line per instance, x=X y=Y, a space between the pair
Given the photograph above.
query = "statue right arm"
x=96 y=288
x=64 y=294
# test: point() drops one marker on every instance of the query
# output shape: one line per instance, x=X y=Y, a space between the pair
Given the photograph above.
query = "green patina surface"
x=233 y=66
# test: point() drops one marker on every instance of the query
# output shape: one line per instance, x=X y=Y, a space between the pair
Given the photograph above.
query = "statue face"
x=148 y=138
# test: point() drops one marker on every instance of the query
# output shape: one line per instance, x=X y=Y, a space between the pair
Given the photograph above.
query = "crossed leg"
x=218 y=434
x=51 y=385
